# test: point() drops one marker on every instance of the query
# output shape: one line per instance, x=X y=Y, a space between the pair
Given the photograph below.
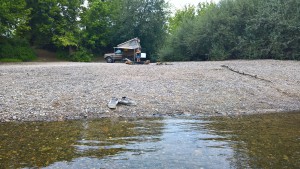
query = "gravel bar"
x=60 y=91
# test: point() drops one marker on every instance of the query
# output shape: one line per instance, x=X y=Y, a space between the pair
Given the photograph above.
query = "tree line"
x=79 y=30
x=235 y=29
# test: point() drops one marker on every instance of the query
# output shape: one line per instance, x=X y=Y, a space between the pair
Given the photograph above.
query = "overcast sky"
x=181 y=3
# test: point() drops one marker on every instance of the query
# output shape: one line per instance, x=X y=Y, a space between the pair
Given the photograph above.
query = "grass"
x=10 y=60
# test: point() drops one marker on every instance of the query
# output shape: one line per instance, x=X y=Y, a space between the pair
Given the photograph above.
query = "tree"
x=13 y=17
x=54 y=23
x=145 y=19
x=97 y=23
x=273 y=32
x=238 y=29
x=181 y=16
x=67 y=29
x=184 y=42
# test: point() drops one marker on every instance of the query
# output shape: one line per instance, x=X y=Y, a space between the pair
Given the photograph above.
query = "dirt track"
x=60 y=91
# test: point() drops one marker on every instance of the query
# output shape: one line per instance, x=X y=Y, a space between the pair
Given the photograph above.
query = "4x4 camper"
x=125 y=50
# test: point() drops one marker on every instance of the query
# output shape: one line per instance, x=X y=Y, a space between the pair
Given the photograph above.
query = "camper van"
x=124 y=51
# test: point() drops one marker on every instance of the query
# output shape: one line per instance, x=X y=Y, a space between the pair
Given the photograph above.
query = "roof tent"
x=130 y=44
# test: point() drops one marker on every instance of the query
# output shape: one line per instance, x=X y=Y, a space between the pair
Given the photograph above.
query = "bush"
x=63 y=55
x=82 y=55
x=18 y=49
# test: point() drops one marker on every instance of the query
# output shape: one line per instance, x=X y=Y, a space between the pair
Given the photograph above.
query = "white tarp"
x=143 y=55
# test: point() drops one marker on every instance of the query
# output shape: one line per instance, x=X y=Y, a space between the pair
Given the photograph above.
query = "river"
x=252 y=141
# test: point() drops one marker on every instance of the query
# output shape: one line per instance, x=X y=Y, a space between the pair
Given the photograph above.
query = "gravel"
x=62 y=90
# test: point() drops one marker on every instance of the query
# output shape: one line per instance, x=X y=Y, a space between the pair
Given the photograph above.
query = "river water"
x=254 y=141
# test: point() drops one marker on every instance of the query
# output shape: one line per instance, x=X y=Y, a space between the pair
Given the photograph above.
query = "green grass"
x=10 y=60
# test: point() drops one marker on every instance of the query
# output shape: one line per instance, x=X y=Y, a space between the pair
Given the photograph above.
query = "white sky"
x=178 y=4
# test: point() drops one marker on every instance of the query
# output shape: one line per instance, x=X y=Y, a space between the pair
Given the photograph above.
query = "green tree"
x=181 y=15
x=13 y=17
x=238 y=29
x=67 y=29
x=184 y=42
x=97 y=23
x=55 y=23
x=145 y=19
x=273 y=32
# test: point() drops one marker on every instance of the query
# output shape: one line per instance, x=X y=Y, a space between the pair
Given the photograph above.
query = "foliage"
x=143 y=19
x=238 y=29
x=67 y=30
x=10 y=60
x=63 y=54
x=96 y=23
x=181 y=44
x=274 y=31
x=13 y=17
x=16 y=49
x=181 y=15
x=81 y=55
x=54 y=22
x=231 y=29
x=99 y=26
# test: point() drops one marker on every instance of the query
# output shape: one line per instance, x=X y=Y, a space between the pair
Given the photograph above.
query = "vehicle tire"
x=109 y=60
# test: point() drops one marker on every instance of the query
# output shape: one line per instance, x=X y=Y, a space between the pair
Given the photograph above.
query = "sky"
x=178 y=4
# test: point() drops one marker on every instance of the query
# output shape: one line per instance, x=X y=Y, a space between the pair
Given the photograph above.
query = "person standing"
x=138 y=55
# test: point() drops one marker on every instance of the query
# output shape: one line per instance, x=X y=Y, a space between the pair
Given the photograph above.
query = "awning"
x=130 y=44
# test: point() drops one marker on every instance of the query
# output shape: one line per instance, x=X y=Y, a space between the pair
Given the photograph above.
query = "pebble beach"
x=58 y=91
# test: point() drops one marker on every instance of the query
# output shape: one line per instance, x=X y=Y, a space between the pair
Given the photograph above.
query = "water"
x=257 y=141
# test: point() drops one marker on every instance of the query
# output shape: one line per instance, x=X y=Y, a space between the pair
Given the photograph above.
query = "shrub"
x=63 y=54
x=81 y=55
x=15 y=48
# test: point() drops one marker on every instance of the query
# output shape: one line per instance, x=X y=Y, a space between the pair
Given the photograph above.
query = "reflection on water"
x=259 y=141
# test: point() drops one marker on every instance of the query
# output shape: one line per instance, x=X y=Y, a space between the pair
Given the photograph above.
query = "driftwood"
x=163 y=63
x=129 y=62
x=243 y=73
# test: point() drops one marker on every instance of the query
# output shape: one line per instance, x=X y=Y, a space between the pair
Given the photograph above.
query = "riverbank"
x=59 y=91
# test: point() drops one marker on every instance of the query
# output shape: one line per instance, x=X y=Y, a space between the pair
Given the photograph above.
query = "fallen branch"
x=163 y=63
x=246 y=74
x=129 y=62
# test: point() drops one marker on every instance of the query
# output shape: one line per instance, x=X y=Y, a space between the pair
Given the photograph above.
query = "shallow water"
x=256 y=141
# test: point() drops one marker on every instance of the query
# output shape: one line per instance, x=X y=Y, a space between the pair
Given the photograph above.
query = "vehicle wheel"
x=109 y=60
